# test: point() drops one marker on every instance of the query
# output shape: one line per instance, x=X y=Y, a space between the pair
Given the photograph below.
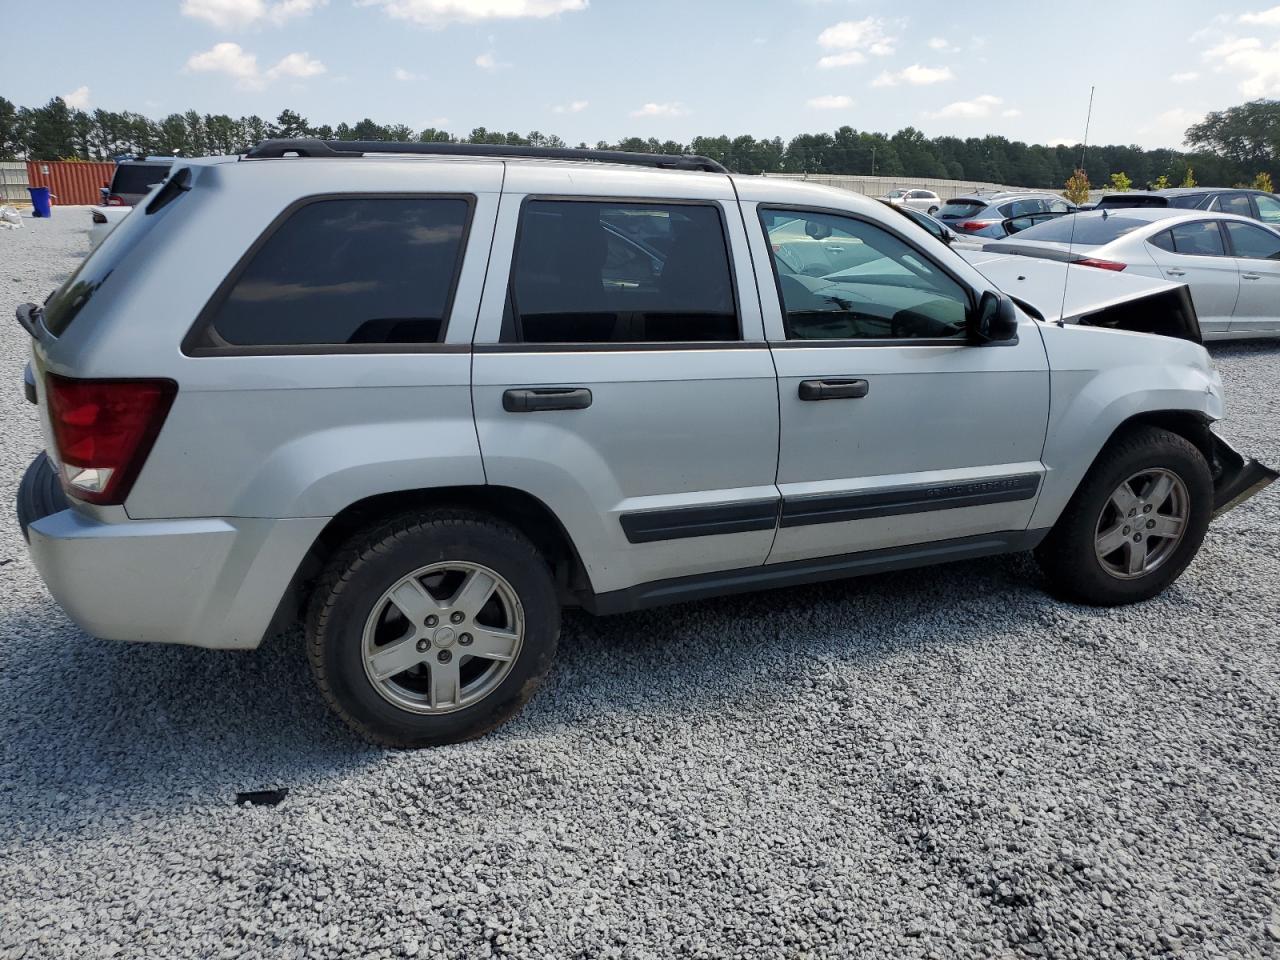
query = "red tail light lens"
x=104 y=430
x=977 y=224
x=1100 y=264
x=115 y=201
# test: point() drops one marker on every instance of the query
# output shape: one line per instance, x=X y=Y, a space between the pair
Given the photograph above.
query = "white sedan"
x=1231 y=264
x=104 y=221
x=925 y=200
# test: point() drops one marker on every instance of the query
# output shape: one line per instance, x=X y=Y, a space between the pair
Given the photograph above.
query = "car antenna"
x=1062 y=310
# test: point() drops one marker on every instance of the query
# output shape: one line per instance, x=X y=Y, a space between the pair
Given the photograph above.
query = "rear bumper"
x=200 y=582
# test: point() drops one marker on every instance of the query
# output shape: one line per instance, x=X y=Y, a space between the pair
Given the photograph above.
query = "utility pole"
x=873 y=160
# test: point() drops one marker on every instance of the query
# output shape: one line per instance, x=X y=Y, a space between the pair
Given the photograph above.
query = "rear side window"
x=1253 y=243
x=1190 y=201
x=609 y=272
x=345 y=272
x=1237 y=203
x=1202 y=239
x=1164 y=241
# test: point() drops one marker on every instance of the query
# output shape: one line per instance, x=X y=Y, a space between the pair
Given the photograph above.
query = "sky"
x=591 y=70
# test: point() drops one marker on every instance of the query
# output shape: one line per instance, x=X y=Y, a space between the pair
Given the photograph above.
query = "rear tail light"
x=103 y=430
x=1100 y=264
x=978 y=224
x=115 y=201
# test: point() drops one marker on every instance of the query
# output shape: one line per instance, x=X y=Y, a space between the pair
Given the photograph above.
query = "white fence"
x=13 y=182
x=879 y=186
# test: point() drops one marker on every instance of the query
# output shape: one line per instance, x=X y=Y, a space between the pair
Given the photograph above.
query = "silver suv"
x=420 y=397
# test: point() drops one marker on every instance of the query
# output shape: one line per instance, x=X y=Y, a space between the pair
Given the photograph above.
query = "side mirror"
x=996 y=320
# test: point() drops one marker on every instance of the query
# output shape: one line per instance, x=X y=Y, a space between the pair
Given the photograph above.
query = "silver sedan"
x=1231 y=264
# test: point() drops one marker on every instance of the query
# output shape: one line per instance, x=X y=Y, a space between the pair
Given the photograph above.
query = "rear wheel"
x=433 y=628
x=1134 y=524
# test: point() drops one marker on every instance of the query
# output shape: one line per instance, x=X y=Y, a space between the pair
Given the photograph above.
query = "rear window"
x=1121 y=202
x=1090 y=231
x=962 y=208
x=65 y=303
x=138 y=177
x=341 y=272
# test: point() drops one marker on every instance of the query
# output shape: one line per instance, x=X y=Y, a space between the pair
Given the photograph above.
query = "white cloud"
x=1262 y=18
x=489 y=61
x=77 y=99
x=831 y=101
x=1257 y=64
x=915 y=75
x=1184 y=77
x=234 y=61
x=853 y=40
x=577 y=106
x=1011 y=112
x=403 y=75
x=1169 y=126
x=299 y=66
x=675 y=109
x=938 y=43
x=846 y=59
x=439 y=13
x=974 y=109
x=238 y=14
x=1063 y=142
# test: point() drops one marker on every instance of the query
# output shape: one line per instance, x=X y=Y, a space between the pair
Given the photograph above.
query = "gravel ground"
x=943 y=763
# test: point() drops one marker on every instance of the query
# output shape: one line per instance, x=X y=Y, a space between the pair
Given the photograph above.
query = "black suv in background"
x=133 y=180
x=1256 y=204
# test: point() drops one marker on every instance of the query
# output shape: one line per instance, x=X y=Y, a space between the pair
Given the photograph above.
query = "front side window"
x=840 y=278
x=1268 y=208
x=1253 y=243
x=590 y=271
x=368 y=270
x=1201 y=239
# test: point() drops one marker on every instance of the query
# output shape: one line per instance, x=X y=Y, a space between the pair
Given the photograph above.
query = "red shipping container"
x=70 y=181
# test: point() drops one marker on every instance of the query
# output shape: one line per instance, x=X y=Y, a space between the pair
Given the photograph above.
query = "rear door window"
x=1268 y=208
x=590 y=271
x=344 y=272
x=1201 y=239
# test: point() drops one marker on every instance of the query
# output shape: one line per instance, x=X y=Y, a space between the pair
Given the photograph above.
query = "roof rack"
x=311 y=147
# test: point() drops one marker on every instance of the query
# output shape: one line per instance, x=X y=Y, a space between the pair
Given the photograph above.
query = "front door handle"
x=527 y=400
x=842 y=389
x=1176 y=273
x=1250 y=276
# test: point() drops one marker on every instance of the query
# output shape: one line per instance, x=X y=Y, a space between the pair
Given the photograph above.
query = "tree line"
x=1231 y=147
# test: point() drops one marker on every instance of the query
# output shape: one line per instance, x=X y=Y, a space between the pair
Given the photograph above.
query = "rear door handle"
x=842 y=389
x=1250 y=276
x=527 y=400
x=1176 y=273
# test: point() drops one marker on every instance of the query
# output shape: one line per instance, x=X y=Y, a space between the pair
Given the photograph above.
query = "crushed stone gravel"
x=940 y=763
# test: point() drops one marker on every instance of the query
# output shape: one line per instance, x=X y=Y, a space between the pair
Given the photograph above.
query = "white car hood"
x=1041 y=284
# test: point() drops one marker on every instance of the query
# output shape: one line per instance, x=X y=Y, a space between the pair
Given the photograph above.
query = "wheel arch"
x=522 y=510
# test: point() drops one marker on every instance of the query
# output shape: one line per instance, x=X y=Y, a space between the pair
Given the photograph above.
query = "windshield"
x=1089 y=230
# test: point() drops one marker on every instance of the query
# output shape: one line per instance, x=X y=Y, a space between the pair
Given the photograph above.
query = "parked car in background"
x=419 y=405
x=1255 y=204
x=983 y=215
x=133 y=180
x=925 y=200
x=102 y=221
x=1231 y=264
x=933 y=225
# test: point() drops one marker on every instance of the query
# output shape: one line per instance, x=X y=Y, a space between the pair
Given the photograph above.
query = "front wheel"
x=1134 y=524
x=433 y=628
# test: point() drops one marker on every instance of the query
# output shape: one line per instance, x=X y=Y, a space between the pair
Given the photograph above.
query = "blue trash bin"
x=40 y=205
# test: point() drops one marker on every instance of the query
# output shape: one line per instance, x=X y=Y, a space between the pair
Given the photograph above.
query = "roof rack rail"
x=311 y=147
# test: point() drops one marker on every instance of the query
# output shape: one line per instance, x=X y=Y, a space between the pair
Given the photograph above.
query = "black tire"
x=40 y=493
x=358 y=576
x=1067 y=555
x=933 y=211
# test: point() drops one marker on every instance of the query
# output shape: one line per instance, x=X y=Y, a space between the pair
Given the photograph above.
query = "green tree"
x=1248 y=134
x=10 y=133
x=1161 y=182
x=1189 y=179
x=1077 y=187
x=1263 y=182
x=1121 y=183
x=49 y=131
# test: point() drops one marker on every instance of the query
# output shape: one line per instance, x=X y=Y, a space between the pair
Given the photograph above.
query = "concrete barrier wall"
x=879 y=186
x=13 y=182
